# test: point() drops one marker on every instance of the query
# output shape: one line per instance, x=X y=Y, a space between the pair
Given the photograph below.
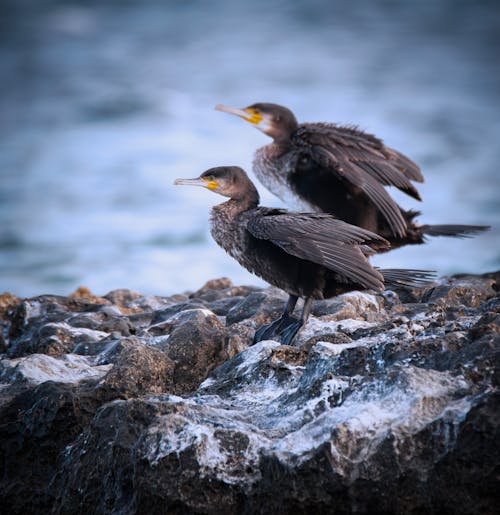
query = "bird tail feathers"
x=405 y=278
x=457 y=231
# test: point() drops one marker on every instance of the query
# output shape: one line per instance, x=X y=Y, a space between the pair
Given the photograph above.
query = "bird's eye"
x=211 y=177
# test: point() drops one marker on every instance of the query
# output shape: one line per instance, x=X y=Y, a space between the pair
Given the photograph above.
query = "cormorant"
x=340 y=170
x=308 y=255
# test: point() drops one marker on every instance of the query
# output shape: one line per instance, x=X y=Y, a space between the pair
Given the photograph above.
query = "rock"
x=387 y=404
x=165 y=315
x=467 y=291
x=124 y=299
x=262 y=307
x=331 y=337
x=197 y=345
x=129 y=302
x=219 y=289
x=82 y=292
x=39 y=368
x=7 y=302
x=353 y=305
x=138 y=369
x=39 y=325
x=222 y=307
x=36 y=427
x=54 y=338
x=239 y=337
x=213 y=285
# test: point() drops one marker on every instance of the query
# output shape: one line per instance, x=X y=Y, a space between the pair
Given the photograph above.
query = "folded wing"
x=324 y=240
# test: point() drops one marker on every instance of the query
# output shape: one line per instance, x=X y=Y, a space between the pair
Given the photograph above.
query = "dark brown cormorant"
x=339 y=170
x=308 y=255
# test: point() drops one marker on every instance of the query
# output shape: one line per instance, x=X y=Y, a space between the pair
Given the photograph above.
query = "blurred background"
x=104 y=103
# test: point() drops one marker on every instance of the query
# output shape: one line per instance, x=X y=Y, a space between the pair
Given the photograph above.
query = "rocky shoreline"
x=128 y=404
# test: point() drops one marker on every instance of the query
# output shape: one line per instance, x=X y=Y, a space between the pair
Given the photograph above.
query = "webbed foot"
x=274 y=330
x=289 y=333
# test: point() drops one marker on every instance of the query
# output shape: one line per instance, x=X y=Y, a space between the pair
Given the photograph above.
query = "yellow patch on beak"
x=211 y=185
x=205 y=182
x=253 y=116
x=249 y=114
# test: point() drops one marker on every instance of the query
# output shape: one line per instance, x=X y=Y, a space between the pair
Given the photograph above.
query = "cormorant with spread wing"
x=308 y=255
x=339 y=170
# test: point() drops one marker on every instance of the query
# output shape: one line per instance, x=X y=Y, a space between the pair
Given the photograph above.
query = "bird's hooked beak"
x=204 y=182
x=248 y=114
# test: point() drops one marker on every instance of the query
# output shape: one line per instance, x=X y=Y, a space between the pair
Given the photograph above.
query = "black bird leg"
x=273 y=330
x=289 y=333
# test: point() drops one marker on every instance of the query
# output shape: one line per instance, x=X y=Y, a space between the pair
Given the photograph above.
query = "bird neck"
x=281 y=145
x=282 y=132
x=236 y=205
x=248 y=201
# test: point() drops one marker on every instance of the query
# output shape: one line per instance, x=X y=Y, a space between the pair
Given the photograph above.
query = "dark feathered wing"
x=322 y=239
x=405 y=278
x=363 y=161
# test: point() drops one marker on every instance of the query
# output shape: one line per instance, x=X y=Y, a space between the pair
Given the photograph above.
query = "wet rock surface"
x=130 y=404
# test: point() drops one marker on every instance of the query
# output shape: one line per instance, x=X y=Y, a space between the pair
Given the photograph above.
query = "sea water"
x=104 y=104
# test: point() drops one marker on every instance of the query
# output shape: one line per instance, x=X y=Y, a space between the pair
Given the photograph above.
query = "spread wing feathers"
x=385 y=173
x=322 y=239
x=357 y=176
x=406 y=165
x=350 y=145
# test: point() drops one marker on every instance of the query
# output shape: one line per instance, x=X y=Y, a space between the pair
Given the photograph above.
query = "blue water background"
x=103 y=104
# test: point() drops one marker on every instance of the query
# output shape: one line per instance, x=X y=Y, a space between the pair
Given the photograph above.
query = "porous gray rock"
x=138 y=369
x=387 y=403
x=196 y=344
x=260 y=306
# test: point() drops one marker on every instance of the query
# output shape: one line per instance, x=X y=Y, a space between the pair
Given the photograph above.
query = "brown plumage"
x=308 y=255
x=339 y=170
